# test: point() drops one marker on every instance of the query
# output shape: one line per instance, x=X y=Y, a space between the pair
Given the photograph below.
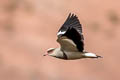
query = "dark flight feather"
x=73 y=30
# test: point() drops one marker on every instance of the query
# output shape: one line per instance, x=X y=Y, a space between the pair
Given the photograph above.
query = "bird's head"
x=49 y=51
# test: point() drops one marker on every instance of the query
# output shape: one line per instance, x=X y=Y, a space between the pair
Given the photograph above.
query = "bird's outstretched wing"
x=70 y=34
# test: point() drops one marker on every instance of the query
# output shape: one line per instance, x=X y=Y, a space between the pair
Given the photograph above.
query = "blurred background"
x=28 y=28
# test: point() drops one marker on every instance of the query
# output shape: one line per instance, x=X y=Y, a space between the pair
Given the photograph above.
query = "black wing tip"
x=72 y=15
x=72 y=18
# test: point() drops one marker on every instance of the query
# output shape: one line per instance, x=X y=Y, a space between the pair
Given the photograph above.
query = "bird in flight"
x=71 y=41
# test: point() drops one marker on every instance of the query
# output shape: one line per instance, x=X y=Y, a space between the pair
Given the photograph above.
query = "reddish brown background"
x=29 y=27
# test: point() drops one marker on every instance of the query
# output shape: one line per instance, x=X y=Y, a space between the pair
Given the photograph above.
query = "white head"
x=55 y=52
x=91 y=55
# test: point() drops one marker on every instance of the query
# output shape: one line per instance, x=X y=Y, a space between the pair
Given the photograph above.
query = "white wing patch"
x=60 y=32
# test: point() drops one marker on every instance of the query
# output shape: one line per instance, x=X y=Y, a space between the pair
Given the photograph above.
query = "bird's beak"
x=45 y=54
